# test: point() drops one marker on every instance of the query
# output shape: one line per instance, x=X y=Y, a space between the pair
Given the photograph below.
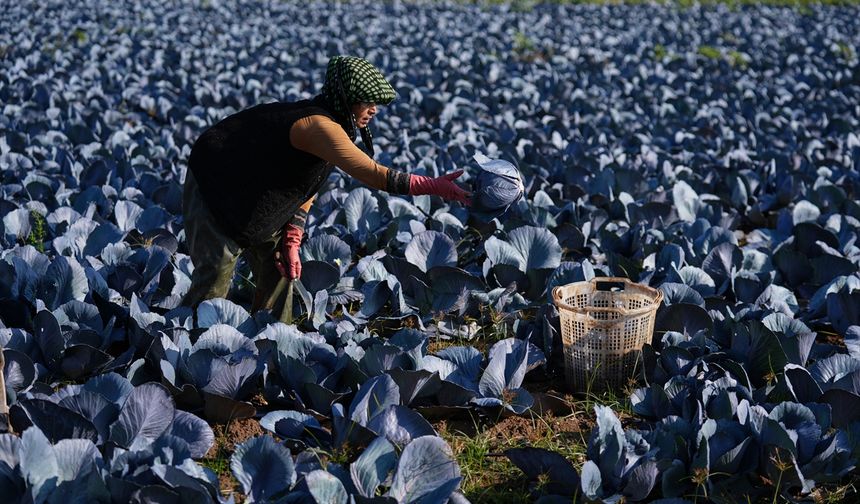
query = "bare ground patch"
x=218 y=457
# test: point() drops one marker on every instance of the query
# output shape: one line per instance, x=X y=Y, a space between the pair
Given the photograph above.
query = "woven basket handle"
x=624 y=282
x=558 y=295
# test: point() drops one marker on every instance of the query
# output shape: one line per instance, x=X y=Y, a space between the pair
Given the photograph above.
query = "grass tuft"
x=710 y=52
x=846 y=51
x=79 y=35
x=37 y=235
x=738 y=59
x=218 y=460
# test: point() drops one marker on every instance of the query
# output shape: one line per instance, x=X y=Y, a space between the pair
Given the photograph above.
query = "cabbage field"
x=712 y=152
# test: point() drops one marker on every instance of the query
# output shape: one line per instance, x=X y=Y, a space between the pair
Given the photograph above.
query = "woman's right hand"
x=287 y=259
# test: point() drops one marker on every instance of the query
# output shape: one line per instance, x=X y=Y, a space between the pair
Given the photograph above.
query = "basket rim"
x=657 y=293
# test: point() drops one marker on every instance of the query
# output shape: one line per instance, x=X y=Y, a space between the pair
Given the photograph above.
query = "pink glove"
x=440 y=186
x=287 y=259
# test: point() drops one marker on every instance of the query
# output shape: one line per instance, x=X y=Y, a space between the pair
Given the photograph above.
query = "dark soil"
x=218 y=456
x=830 y=338
x=239 y=431
x=522 y=431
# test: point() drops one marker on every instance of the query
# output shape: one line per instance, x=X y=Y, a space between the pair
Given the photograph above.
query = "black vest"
x=250 y=175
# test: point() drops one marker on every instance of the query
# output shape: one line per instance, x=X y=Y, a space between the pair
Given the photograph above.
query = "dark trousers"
x=214 y=254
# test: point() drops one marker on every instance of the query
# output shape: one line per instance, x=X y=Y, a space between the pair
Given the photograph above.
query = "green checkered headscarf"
x=350 y=80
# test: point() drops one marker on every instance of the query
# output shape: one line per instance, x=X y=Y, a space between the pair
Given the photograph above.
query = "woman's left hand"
x=443 y=186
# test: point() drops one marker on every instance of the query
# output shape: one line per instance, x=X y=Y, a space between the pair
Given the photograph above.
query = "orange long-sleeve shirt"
x=326 y=139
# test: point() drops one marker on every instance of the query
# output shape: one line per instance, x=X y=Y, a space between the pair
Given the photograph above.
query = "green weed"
x=219 y=465
x=839 y=493
x=219 y=462
x=846 y=51
x=729 y=38
x=488 y=475
x=738 y=59
x=709 y=52
x=37 y=235
x=496 y=324
x=525 y=49
x=79 y=35
x=523 y=42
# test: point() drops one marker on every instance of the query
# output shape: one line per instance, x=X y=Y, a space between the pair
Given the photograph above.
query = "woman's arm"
x=301 y=215
x=325 y=139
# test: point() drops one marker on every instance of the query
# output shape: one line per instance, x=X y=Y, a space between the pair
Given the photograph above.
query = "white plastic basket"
x=604 y=324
